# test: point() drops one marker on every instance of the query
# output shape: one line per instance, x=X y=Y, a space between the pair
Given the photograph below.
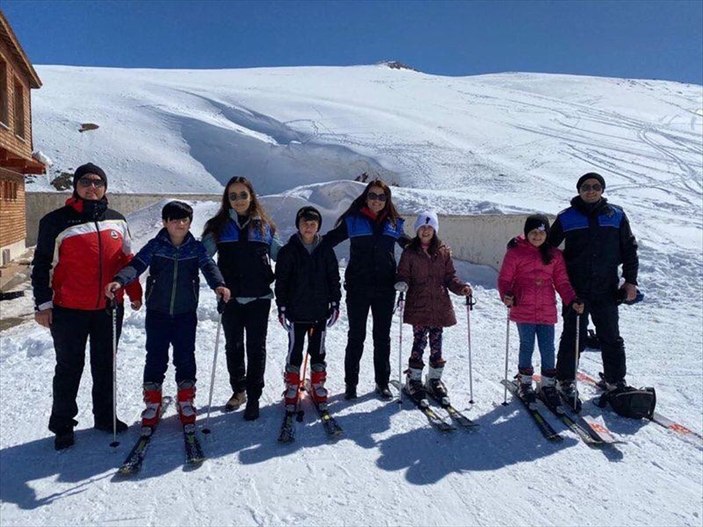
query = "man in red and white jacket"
x=80 y=247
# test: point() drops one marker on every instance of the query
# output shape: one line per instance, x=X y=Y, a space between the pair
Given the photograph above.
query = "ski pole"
x=507 y=349
x=401 y=308
x=576 y=359
x=470 y=303
x=112 y=305
x=301 y=387
x=220 y=309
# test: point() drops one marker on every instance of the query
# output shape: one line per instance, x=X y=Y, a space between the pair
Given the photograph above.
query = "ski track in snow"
x=486 y=144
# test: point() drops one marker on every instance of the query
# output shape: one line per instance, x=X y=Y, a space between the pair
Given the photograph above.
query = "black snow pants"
x=70 y=330
x=381 y=304
x=252 y=317
x=604 y=313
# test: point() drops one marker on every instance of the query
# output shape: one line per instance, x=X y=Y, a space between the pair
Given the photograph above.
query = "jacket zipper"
x=173 y=288
x=100 y=265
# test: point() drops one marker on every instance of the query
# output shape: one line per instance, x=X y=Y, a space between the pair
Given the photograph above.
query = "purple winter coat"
x=428 y=278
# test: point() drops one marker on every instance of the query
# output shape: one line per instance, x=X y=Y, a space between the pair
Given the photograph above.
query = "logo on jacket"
x=114 y=235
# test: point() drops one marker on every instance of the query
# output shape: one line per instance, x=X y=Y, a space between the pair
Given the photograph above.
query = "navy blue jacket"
x=173 y=285
x=244 y=256
x=597 y=239
x=372 y=262
x=306 y=283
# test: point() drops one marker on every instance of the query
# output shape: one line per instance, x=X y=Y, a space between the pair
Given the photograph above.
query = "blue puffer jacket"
x=372 y=261
x=597 y=240
x=173 y=285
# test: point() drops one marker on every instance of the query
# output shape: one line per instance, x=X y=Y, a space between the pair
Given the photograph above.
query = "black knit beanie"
x=88 y=168
x=590 y=175
x=536 y=221
x=308 y=214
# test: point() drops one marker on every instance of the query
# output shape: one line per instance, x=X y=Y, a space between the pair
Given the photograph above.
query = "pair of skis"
x=134 y=460
x=590 y=432
x=436 y=420
x=329 y=424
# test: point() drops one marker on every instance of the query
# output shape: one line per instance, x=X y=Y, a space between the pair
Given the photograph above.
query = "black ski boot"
x=64 y=440
x=350 y=392
x=569 y=395
x=251 y=412
x=384 y=392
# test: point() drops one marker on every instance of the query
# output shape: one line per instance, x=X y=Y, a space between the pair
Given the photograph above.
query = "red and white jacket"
x=532 y=283
x=80 y=247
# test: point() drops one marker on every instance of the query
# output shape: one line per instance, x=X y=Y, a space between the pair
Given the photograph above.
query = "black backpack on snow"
x=635 y=403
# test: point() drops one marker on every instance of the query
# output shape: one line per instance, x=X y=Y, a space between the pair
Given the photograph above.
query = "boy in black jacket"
x=307 y=294
x=174 y=258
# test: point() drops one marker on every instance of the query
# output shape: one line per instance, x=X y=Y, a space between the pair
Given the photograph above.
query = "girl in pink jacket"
x=531 y=271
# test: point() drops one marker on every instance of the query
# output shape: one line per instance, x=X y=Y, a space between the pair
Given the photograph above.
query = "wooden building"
x=17 y=79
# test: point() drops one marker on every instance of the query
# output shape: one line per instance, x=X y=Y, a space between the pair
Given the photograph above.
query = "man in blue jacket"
x=597 y=240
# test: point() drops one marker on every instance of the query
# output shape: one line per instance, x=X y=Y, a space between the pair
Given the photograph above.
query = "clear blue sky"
x=627 y=38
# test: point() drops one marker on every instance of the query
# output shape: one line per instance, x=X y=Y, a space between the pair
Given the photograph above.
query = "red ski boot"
x=318 y=392
x=292 y=379
x=152 y=398
x=186 y=394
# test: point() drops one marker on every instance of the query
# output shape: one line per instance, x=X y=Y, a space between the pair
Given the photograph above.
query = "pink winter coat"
x=428 y=277
x=532 y=283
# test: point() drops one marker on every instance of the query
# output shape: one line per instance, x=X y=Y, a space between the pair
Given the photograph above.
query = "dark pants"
x=381 y=305
x=604 y=313
x=420 y=334
x=163 y=330
x=316 y=342
x=70 y=330
x=253 y=318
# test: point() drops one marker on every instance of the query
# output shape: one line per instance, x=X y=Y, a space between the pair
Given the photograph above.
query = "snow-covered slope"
x=462 y=145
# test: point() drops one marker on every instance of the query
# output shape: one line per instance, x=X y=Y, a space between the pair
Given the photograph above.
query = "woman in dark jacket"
x=243 y=236
x=373 y=226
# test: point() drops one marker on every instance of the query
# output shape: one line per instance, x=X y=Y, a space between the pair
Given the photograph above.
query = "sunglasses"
x=86 y=182
x=372 y=196
x=587 y=188
x=233 y=196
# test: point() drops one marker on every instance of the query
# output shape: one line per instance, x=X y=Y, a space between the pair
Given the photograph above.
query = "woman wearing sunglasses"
x=373 y=226
x=243 y=236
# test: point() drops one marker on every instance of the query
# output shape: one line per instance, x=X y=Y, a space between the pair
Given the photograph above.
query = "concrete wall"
x=478 y=239
x=40 y=203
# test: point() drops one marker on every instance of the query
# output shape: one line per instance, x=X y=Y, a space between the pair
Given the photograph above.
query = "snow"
x=486 y=144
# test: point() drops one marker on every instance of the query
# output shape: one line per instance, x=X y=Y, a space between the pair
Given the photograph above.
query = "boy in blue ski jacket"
x=174 y=258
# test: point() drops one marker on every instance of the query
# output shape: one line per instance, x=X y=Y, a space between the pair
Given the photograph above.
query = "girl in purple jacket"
x=532 y=270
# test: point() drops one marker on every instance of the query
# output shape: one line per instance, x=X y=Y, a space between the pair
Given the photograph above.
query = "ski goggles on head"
x=376 y=197
x=233 y=196
x=587 y=188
